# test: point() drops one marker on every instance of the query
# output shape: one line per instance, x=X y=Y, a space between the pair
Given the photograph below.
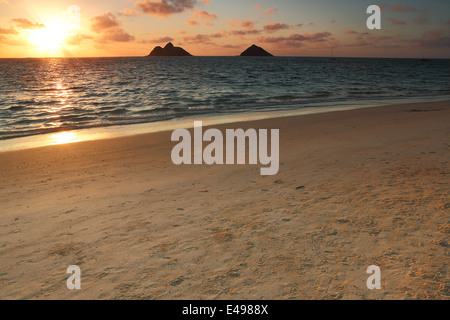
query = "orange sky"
x=41 y=28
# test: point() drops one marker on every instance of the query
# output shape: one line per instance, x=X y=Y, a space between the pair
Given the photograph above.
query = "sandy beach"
x=355 y=188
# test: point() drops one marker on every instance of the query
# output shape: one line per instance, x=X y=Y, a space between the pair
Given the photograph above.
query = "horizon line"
x=233 y=56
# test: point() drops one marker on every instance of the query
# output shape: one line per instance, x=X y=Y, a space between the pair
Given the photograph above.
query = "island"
x=255 y=51
x=169 y=51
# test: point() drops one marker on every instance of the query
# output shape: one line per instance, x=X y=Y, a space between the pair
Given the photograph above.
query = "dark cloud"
x=241 y=33
x=160 y=40
x=275 y=27
x=165 y=8
x=298 y=38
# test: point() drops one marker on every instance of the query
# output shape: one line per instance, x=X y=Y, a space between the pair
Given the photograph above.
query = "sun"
x=51 y=36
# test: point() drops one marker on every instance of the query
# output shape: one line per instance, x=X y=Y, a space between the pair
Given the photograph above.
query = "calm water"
x=47 y=95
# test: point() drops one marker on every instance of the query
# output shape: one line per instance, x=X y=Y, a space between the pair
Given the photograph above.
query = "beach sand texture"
x=355 y=188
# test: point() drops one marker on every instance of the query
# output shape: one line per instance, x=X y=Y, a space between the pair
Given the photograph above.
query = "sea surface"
x=40 y=96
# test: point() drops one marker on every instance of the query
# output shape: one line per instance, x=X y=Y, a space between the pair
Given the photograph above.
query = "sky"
x=105 y=28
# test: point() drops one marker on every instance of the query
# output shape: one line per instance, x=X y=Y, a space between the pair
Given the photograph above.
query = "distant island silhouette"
x=255 y=51
x=169 y=51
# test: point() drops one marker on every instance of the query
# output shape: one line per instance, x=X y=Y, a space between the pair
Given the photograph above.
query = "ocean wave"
x=126 y=91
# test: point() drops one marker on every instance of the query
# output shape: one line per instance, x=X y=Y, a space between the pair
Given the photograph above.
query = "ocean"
x=40 y=96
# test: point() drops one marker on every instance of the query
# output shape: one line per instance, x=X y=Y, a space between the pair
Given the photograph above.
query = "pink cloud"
x=108 y=26
x=103 y=22
x=246 y=24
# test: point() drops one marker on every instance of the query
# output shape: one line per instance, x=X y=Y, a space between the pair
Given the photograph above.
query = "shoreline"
x=355 y=188
x=110 y=132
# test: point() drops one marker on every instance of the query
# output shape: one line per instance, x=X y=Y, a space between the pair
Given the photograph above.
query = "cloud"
x=230 y=46
x=241 y=33
x=275 y=27
x=433 y=39
x=297 y=40
x=205 y=39
x=351 y=32
x=246 y=24
x=8 y=31
x=160 y=40
x=203 y=15
x=5 y=33
x=270 y=12
x=77 y=39
x=26 y=24
x=367 y=39
x=116 y=35
x=200 y=15
x=108 y=26
x=396 y=22
x=129 y=12
x=164 y=8
x=421 y=20
x=399 y=8
x=192 y=23
x=104 y=22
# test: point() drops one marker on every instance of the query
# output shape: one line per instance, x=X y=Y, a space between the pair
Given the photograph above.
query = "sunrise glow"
x=44 y=28
x=50 y=37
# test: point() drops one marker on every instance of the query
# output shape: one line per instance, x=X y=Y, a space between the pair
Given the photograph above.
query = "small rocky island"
x=169 y=51
x=255 y=51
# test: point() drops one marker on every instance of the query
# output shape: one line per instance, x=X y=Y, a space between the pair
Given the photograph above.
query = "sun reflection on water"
x=56 y=111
